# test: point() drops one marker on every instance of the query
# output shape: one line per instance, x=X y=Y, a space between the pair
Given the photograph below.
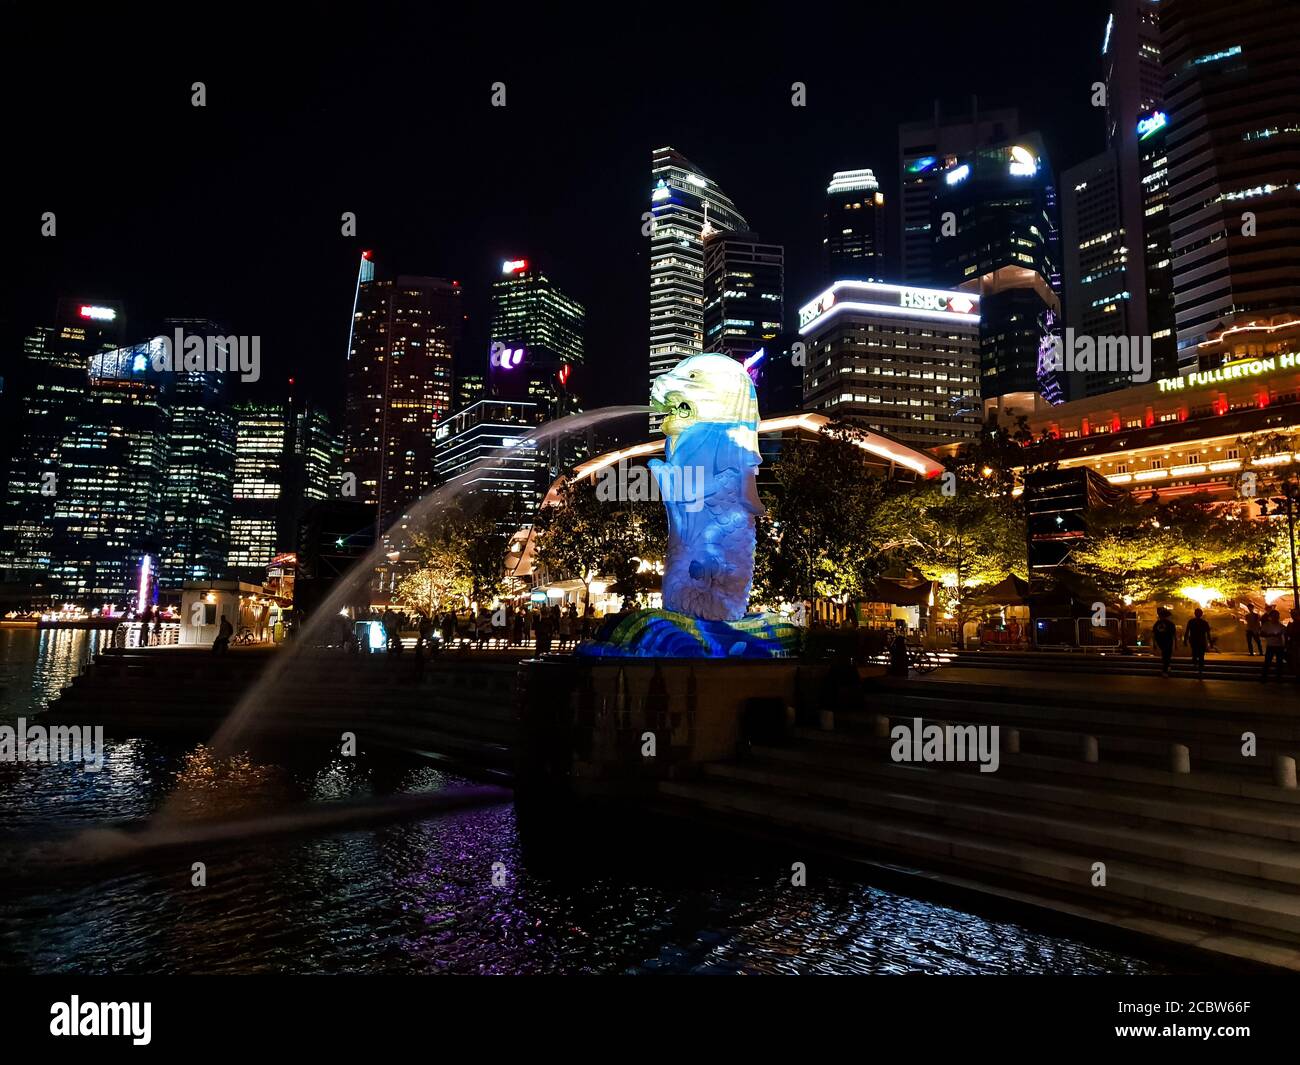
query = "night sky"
x=233 y=211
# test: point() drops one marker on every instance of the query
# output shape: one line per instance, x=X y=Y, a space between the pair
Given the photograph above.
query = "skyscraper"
x=200 y=470
x=1232 y=99
x=482 y=447
x=399 y=386
x=1134 y=88
x=1099 y=268
x=744 y=284
x=1113 y=223
x=683 y=199
x=853 y=238
x=904 y=361
x=112 y=462
x=1157 y=261
x=51 y=383
x=537 y=336
x=994 y=221
x=925 y=150
x=317 y=451
x=262 y=432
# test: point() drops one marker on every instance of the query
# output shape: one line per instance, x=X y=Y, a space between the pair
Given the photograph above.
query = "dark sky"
x=233 y=211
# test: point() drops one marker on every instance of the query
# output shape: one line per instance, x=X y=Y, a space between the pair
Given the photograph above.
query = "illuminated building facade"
x=318 y=452
x=200 y=470
x=471 y=386
x=1181 y=434
x=853 y=237
x=902 y=361
x=537 y=340
x=994 y=220
x=112 y=464
x=1113 y=218
x=683 y=199
x=262 y=433
x=1233 y=143
x=480 y=448
x=925 y=150
x=399 y=387
x=51 y=384
x=286 y=458
x=744 y=284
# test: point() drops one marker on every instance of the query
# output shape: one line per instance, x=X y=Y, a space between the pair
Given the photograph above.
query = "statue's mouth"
x=677 y=409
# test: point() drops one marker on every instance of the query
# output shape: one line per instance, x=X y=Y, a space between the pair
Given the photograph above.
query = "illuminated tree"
x=817 y=539
x=584 y=537
x=956 y=533
x=1145 y=550
x=458 y=554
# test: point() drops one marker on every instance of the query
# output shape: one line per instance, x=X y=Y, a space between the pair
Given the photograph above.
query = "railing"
x=141 y=634
x=1085 y=634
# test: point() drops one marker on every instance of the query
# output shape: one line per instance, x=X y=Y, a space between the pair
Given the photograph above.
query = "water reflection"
x=420 y=898
x=469 y=891
x=36 y=664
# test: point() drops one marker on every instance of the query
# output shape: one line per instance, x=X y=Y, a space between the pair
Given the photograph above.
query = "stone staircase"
x=1142 y=663
x=1208 y=858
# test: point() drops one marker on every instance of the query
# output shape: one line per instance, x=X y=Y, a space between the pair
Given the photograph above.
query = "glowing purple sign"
x=505 y=358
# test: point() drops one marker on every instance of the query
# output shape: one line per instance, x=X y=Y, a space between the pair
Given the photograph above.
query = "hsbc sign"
x=873 y=297
x=920 y=300
x=817 y=308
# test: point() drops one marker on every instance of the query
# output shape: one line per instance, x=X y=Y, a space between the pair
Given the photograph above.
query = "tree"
x=584 y=536
x=440 y=580
x=1122 y=556
x=1272 y=472
x=458 y=554
x=959 y=533
x=816 y=540
x=1143 y=550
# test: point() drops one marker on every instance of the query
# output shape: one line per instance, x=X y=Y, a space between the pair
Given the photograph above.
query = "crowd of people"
x=545 y=627
x=1278 y=643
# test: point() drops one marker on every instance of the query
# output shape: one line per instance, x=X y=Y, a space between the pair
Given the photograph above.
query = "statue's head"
x=704 y=388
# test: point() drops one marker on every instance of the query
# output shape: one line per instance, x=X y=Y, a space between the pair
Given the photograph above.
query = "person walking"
x=1253 y=622
x=224 y=631
x=1274 y=643
x=1197 y=637
x=542 y=630
x=1163 y=634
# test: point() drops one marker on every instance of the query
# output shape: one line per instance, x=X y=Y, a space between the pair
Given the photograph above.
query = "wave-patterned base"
x=668 y=634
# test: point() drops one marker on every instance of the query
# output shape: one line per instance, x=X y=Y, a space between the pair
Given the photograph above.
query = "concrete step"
x=1254 y=860
x=1208 y=813
x=1143 y=742
x=1061 y=760
x=1256 y=911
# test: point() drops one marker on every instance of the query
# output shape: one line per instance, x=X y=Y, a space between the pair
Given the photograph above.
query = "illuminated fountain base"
x=668 y=634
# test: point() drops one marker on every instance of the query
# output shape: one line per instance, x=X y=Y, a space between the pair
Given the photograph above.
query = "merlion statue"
x=708 y=484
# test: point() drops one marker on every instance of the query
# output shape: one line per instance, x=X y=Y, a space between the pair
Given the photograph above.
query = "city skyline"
x=262 y=248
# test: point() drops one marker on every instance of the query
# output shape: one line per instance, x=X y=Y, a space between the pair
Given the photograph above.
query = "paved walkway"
x=1119 y=687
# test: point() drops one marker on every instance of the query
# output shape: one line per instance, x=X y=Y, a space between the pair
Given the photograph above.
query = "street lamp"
x=1287 y=500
